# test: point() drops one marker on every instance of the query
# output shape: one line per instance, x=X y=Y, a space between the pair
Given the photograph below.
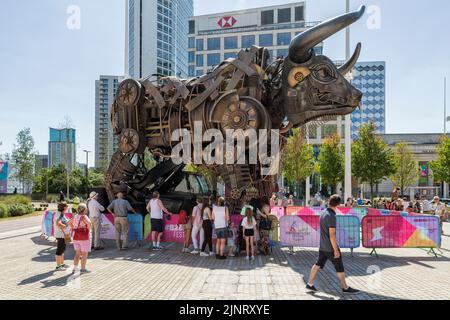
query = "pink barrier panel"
x=175 y=233
x=304 y=231
x=303 y=211
x=277 y=211
x=397 y=231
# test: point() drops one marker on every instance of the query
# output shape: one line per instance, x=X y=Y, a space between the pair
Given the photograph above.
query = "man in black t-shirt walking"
x=329 y=249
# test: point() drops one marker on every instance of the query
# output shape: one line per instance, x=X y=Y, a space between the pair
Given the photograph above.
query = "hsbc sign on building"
x=227 y=22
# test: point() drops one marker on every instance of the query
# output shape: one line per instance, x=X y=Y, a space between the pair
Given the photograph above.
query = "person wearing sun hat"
x=95 y=210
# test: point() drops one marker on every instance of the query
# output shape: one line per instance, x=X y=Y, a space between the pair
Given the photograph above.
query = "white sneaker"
x=212 y=253
x=252 y=258
x=195 y=252
x=247 y=258
x=204 y=254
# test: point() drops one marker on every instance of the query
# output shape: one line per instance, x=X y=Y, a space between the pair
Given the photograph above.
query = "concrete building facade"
x=216 y=37
x=105 y=141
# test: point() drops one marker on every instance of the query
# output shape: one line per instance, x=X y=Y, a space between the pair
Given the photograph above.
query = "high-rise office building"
x=62 y=148
x=216 y=37
x=106 y=143
x=370 y=79
x=156 y=41
x=40 y=162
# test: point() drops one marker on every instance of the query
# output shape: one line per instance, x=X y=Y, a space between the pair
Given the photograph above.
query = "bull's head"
x=313 y=86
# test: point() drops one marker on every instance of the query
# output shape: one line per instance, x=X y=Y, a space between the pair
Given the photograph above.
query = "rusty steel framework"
x=242 y=93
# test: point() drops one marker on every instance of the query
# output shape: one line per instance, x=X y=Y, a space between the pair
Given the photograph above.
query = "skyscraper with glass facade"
x=156 y=41
x=62 y=148
x=105 y=141
x=216 y=37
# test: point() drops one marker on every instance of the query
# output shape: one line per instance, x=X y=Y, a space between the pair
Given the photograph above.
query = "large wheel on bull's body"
x=129 y=93
x=234 y=112
x=129 y=141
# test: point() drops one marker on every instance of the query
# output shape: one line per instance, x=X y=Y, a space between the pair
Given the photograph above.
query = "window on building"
x=230 y=42
x=228 y=55
x=191 y=57
x=199 y=45
x=266 y=40
x=191 y=42
x=299 y=14
x=191 y=26
x=191 y=71
x=328 y=130
x=267 y=17
x=213 y=59
x=199 y=60
x=284 y=15
x=318 y=51
x=248 y=41
x=213 y=44
x=283 y=53
x=283 y=39
x=199 y=73
x=312 y=131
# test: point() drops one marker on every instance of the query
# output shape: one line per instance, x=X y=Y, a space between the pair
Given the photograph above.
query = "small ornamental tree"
x=331 y=161
x=297 y=159
x=405 y=167
x=372 y=160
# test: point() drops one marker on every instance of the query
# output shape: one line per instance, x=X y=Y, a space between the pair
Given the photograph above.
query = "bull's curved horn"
x=348 y=66
x=301 y=46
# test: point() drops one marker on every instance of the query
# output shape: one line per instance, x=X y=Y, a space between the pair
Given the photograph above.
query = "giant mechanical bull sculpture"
x=240 y=93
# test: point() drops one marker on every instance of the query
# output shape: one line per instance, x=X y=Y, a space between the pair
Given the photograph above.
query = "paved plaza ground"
x=27 y=264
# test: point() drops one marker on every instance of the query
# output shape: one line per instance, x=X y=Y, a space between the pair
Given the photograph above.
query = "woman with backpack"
x=62 y=235
x=207 y=228
x=184 y=219
x=81 y=225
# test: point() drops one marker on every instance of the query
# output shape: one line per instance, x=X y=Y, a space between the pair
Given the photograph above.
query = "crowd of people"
x=199 y=221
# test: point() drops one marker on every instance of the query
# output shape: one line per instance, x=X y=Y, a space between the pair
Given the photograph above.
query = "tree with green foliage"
x=372 y=159
x=406 y=169
x=441 y=167
x=297 y=159
x=23 y=158
x=57 y=180
x=331 y=161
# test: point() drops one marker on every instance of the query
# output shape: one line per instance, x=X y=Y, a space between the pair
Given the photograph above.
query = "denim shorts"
x=221 y=233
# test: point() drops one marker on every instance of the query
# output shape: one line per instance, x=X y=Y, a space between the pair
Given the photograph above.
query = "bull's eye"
x=323 y=73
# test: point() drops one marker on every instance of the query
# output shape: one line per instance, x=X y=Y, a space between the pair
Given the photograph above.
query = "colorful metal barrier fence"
x=304 y=231
x=108 y=231
x=397 y=231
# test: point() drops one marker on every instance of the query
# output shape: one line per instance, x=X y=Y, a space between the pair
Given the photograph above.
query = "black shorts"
x=61 y=246
x=157 y=225
x=324 y=256
x=249 y=232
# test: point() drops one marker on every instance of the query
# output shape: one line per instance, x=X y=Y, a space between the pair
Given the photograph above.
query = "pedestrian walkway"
x=27 y=264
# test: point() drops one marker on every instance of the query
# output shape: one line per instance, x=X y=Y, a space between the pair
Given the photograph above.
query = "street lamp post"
x=87 y=163
x=348 y=146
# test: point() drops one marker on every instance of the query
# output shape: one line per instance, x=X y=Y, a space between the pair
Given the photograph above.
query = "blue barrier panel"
x=136 y=227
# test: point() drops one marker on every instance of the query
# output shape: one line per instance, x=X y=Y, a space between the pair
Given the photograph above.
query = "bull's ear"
x=300 y=49
x=348 y=66
x=297 y=75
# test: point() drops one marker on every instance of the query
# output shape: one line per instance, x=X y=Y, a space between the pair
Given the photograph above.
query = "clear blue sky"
x=48 y=71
